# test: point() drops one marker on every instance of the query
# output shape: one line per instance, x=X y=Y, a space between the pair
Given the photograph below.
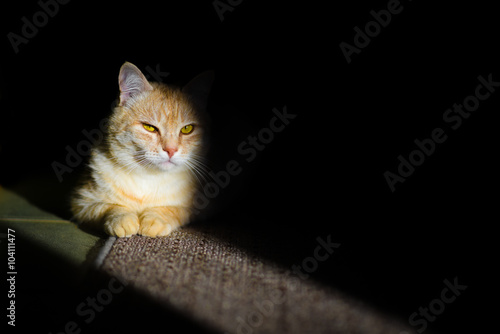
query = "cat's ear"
x=199 y=88
x=132 y=82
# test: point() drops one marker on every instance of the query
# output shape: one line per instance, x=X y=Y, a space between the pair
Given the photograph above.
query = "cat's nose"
x=170 y=151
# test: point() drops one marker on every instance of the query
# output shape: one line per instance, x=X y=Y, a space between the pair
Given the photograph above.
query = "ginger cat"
x=143 y=177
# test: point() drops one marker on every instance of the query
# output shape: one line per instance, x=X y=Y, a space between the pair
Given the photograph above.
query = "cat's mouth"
x=166 y=165
x=162 y=163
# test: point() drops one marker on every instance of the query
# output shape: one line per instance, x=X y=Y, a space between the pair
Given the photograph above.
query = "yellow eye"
x=187 y=129
x=149 y=128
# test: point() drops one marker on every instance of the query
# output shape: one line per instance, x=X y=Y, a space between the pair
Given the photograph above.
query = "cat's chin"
x=167 y=166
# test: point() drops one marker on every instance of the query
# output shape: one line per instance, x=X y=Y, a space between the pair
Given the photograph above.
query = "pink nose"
x=170 y=151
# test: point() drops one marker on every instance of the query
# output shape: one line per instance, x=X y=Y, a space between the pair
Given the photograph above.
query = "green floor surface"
x=44 y=229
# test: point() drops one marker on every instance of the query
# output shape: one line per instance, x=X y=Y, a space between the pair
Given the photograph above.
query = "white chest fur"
x=146 y=189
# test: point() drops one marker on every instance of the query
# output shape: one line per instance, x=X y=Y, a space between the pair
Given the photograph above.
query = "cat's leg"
x=114 y=219
x=161 y=221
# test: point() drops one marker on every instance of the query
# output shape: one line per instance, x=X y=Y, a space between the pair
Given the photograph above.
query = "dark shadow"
x=44 y=191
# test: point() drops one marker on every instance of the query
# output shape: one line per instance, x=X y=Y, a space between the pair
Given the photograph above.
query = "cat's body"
x=142 y=178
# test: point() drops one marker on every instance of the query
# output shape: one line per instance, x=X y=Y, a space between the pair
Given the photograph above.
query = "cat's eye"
x=149 y=128
x=187 y=129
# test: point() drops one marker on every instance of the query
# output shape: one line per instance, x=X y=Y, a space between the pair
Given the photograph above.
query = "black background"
x=323 y=174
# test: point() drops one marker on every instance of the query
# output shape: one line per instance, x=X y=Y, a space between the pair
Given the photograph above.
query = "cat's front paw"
x=157 y=223
x=122 y=225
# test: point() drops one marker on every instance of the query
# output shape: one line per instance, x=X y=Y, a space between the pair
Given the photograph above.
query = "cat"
x=143 y=177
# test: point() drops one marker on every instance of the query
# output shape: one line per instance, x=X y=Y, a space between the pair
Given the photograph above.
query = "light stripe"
x=104 y=252
x=33 y=220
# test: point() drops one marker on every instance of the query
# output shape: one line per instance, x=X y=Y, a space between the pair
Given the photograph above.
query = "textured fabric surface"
x=235 y=291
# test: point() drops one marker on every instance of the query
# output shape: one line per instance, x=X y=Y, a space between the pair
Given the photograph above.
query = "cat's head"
x=156 y=127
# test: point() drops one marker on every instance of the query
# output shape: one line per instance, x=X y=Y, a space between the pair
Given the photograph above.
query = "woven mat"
x=233 y=290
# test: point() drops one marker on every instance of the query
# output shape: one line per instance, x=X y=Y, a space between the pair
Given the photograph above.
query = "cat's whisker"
x=199 y=157
x=197 y=172
x=130 y=166
x=200 y=163
x=202 y=168
x=200 y=160
x=192 y=171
